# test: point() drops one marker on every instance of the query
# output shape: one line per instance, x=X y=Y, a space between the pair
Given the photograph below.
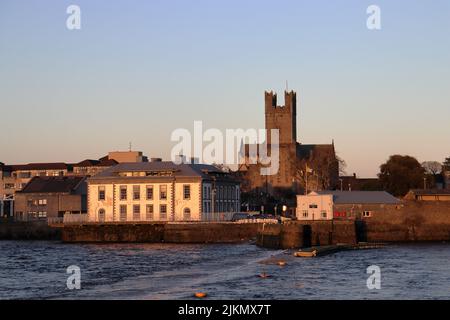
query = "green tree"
x=400 y=174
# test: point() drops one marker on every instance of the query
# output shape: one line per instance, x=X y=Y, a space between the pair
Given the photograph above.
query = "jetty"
x=324 y=250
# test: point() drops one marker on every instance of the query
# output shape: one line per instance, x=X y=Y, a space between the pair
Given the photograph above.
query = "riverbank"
x=411 y=222
x=36 y=230
x=161 y=233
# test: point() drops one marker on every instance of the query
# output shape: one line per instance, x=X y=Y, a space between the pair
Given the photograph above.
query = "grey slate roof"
x=361 y=197
x=432 y=192
x=37 y=166
x=52 y=184
x=180 y=170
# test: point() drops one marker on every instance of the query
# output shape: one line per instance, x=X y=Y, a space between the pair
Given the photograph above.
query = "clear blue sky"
x=139 y=69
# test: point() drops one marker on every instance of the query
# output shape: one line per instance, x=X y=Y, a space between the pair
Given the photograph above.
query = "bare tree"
x=432 y=167
x=316 y=172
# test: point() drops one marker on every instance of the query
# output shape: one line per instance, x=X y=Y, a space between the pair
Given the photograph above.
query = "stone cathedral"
x=302 y=166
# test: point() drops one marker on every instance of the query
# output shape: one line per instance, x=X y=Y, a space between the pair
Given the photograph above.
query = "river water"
x=37 y=270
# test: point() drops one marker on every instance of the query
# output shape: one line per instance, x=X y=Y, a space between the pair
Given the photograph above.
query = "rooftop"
x=36 y=166
x=103 y=162
x=180 y=170
x=360 y=197
x=52 y=184
x=433 y=192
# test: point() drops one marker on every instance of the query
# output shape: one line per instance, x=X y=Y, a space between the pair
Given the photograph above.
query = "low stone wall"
x=156 y=233
x=28 y=231
x=412 y=221
x=113 y=233
x=297 y=234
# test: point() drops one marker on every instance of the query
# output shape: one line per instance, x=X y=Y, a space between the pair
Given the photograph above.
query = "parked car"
x=241 y=216
x=263 y=216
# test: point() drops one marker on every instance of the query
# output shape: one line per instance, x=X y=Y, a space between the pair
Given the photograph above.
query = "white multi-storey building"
x=161 y=191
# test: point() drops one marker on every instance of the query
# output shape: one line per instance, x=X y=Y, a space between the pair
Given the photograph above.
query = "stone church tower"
x=294 y=157
x=283 y=118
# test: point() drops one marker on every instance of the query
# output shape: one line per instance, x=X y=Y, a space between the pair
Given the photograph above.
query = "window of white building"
x=123 y=192
x=150 y=192
x=187 y=214
x=186 y=192
x=163 y=212
x=101 y=193
x=136 y=212
x=136 y=192
x=123 y=213
x=163 y=192
x=149 y=212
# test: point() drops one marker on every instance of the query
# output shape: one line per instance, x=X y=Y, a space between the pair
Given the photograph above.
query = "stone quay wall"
x=412 y=221
x=161 y=232
x=36 y=230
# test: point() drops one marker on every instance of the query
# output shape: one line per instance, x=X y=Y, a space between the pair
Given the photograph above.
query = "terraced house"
x=162 y=191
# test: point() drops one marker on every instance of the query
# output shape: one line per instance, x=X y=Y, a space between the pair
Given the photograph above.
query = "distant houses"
x=14 y=178
x=330 y=205
x=428 y=195
x=46 y=198
x=120 y=187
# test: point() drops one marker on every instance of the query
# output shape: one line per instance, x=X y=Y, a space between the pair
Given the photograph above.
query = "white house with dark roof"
x=329 y=205
x=162 y=191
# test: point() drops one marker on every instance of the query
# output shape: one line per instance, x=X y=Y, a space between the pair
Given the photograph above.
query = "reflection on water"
x=37 y=270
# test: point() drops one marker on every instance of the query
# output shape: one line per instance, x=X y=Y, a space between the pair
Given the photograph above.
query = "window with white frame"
x=186 y=192
x=42 y=214
x=123 y=193
x=367 y=214
x=101 y=193
x=136 y=192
